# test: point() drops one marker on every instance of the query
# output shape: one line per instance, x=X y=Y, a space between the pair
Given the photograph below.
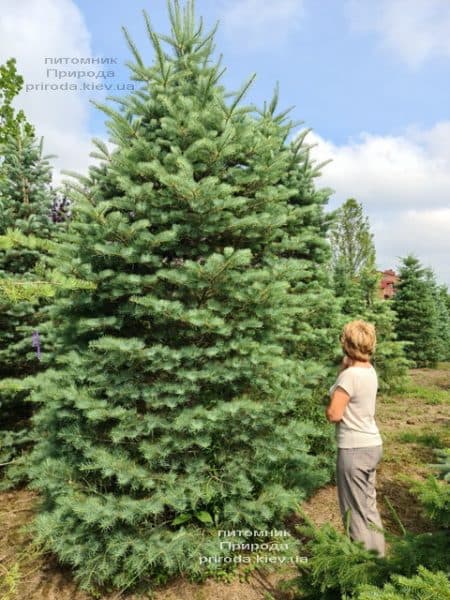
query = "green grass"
x=431 y=440
x=444 y=366
x=9 y=579
x=429 y=394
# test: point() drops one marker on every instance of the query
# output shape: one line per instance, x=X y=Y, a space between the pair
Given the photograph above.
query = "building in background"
x=387 y=284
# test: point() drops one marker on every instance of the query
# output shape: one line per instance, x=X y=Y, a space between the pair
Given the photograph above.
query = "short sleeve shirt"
x=357 y=428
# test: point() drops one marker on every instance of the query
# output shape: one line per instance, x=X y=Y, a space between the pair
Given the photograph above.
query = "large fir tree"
x=417 y=313
x=315 y=331
x=175 y=400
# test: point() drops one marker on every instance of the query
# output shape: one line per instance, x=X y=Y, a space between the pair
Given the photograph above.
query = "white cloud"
x=261 y=24
x=30 y=31
x=403 y=183
x=393 y=171
x=424 y=233
x=415 y=30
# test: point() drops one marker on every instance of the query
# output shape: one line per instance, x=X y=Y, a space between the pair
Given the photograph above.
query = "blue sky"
x=370 y=77
x=339 y=79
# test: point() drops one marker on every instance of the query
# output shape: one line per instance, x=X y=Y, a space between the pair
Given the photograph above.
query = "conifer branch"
x=274 y=102
x=240 y=95
x=14 y=237
x=132 y=47
x=100 y=144
x=208 y=39
x=78 y=176
x=157 y=47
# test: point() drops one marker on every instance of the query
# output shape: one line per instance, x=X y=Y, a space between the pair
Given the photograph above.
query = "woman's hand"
x=346 y=362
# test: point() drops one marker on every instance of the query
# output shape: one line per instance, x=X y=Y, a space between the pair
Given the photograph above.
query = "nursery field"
x=412 y=424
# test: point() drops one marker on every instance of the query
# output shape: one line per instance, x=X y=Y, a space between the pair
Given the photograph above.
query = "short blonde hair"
x=358 y=339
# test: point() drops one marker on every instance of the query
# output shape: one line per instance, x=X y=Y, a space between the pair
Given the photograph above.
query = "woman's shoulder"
x=354 y=373
x=363 y=375
x=357 y=372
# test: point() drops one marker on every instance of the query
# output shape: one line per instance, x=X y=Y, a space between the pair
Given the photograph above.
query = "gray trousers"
x=356 y=476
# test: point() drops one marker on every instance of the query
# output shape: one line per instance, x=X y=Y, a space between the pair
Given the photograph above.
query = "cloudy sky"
x=370 y=77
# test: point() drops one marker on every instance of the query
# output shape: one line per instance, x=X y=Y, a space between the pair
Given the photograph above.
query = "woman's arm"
x=338 y=403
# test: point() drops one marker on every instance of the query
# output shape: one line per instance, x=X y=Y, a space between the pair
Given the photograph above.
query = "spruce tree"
x=173 y=406
x=316 y=328
x=439 y=293
x=315 y=332
x=417 y=314
x=305 y=239
x=25 y=202
x=357 y=284
x=425 y=585
x=444 y=321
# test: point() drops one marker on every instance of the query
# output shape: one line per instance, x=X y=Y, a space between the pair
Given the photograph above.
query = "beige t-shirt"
x=358 y=429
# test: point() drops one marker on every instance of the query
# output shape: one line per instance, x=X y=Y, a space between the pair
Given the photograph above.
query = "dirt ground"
x=26 y=574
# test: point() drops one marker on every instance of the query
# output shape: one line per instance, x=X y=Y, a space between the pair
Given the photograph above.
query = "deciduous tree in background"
x=11 y=122
x=352 y=246
x=357 y=284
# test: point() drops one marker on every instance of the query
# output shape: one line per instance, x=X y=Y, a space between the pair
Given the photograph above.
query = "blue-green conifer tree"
x=177 y=401
x=417 y=313
x=26 y=198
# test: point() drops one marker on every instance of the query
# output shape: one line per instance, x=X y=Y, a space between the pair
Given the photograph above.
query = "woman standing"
x=360 y=447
